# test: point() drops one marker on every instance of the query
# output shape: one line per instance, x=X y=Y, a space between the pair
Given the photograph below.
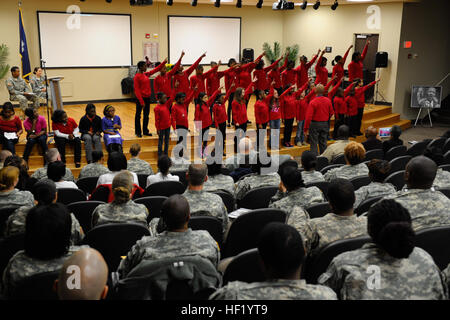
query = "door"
x=369 y=62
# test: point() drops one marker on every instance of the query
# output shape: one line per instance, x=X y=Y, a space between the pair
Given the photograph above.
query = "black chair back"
x=397 y=179
x=87 y=184
x=164 y=188
x=322 y=185
x=318 y=264
x=36 y=287
x=210 y=224
x=319 y=210
x=114 y=240
x=366 y=204
x=246 y=267
x=395 y=152
x=331 y=166
x=182 y=175
x=339 y=159
x=258 y=198
x=228 y=200
x=374 y=154
x=399 y=163
x=322 y=162
x=100 y=194
x=8 y=247
x=446 y=146
x=153 y=204
x=445 y=167
x=244 y=231
x=445 y=191
x=83 y=211
x=432 y=241
x=447 y=157
x=142 y=178
x=437 y=143
x=4 y=215
x=359 y=182
x=69 y=195
x=418 y=148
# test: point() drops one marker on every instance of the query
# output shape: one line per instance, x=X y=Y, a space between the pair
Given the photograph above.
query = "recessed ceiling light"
x=359 y=0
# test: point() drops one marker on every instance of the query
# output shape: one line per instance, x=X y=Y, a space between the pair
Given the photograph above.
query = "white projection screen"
x=220 y=37
x=87 y=40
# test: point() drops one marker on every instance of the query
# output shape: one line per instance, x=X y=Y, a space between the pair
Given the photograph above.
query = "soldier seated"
x=442 y=179
x=55 y=172
x=96 y=168
x=10 y=197
x=354 y=156
x=309 y=164
x=281 y=250
x=216 y=180
x=50 y=156
x=164 y=165
x=390 y=267
x=177 y=241
x=19 y=90
x=137 y=165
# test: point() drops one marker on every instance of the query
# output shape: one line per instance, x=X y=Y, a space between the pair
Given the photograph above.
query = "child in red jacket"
x=203 y=117
x=180 y=117
x=262 y=113
x=162 y=121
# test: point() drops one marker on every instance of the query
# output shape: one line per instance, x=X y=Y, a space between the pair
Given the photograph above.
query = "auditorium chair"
x=246 y=267
x=447 y=157
x=399 y=163
x=445 y=167
x=319 y=210
x=257 y=198
x=114 y=240
x=433 y=240
x=182 y=175
x=318 y=264
x=359 y=182
x=395 y=152
x=445 y=191
x=87 y=184
x=244 y=231
x=418 y=148
x=438 y=143
x=142 y=178
x=339 y=160
x=374 y=154
x=4 y=215
x=322 y=185
x=153 y=204
x=397 y=179
x=83 y=211
x=366 y=204
x=331 y=166
x=322 y=162
x=8 y=247
x=164 y=188
x=69 y=195
x=446 y=146
x=211 y=224
x=101 y=193
x=228 y=200
x=36 y=287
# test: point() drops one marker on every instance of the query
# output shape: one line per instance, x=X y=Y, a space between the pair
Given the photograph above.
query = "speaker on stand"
x=381 y=61
x=248 y=54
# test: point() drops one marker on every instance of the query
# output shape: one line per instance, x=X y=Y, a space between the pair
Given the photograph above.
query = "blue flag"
x=23 y=49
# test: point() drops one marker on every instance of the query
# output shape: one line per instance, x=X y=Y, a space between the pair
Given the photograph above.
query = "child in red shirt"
x=9 y=124
x=180 y=117
x=220 y=120
x=66 y=132
x=162 y=122
x=203 y=117
x=262 y=113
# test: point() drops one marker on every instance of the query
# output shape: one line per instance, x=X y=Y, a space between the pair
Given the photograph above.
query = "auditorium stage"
x=378 y=116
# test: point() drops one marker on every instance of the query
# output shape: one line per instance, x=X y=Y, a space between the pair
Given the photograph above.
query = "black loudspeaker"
x=381 y=60
x=248 y=54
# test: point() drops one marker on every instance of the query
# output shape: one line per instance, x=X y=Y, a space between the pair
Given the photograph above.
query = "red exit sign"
x=407 y=44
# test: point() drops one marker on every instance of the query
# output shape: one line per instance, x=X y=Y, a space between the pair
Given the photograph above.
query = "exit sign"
x=407 y=44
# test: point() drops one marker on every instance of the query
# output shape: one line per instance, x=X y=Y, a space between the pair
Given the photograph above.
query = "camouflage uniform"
x=416 y=277
x=219 y=182
x=125 y=212
x=16 y=88
x=139 y=166
x=374 y=189
x=171 y=244
x=179 y=164
x=298 y=218
x=21 y=266
x=332 y=227
x=16 y=198
x=232 y=163
x=303 y=197
x=41 y=173
x=279 y=289
x=93 y=170
x=335 y=150
x=37 y=85
x=428 y=208
x=347 y=172
x=312 y=176
x=446 y=273
x=442 y=179
x=16 y=224
x=248 y=183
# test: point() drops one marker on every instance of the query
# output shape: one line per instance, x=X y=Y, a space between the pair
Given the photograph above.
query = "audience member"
x=66 y=132
x=309 y=164
x=10 y=197
x=407 y=272
x=394 y=140
x=10 y=127
x=3 y=155
x=50 y=156
x=137 y=165
x=116 y=163
x=91 y=131
x=164 y=164
x=25 y=182
x=337 y=148
x=95 y=168
x=216 y=180
x=55 y=172
x=442 y=179
x=354 y=154
x=245 y=152
x=372 y=142
x=36 y=128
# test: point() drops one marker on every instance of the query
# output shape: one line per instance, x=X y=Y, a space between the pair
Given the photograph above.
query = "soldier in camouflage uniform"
x=442 y=179
x=217 y=181
x=44 y=192
x=309 y=164
x=37 y=82
x=282 y=254
x=42 y=254
x=122 y=209
x=354 y=155
x=51 y=155
x=179 y=164
x=137 y=165
x=427 y=207
x=94 y=169
x=341 y=224
x=294 y=192
x=404 y=271
x=9 y=196
x=378 y=172
x=446 y=273
x=19 y=90
x=177 y=241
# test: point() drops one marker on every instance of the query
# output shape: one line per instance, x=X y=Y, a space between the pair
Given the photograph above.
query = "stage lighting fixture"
x=334 y=5
x=109 y=1
x=217 y=4
x=194 y=3
x=316 y=5
x=239 y=4
x=279 y=4
x=304 y=5
x=169 y=2
x=259 y=4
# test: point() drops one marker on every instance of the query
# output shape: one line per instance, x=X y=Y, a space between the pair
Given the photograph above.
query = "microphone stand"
x=49 y=132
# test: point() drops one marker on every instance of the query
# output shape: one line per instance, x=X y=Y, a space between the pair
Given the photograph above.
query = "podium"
x=55 y=92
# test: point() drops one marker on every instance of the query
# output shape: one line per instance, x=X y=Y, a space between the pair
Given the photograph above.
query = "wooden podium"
x=55 y=93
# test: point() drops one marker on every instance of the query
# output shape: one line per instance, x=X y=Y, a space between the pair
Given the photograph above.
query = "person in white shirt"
x=116 y=163
x=164 y=164
x=56 y=171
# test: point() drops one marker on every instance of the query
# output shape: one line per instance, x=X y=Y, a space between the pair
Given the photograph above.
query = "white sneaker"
x=299 y=144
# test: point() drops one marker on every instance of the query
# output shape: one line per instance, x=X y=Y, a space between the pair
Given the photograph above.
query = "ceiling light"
x=169 y=2
x=316 y=5
x=239 y=4
x=259 y=4
x=217 y=4
x=304 y=4
x=334 y=5
x=194 y=3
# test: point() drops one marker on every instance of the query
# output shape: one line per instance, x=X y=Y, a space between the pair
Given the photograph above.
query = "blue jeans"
x=300 y=137
x=41 y=140
x=9 y=144
x=275 y=124
x=163 y=139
